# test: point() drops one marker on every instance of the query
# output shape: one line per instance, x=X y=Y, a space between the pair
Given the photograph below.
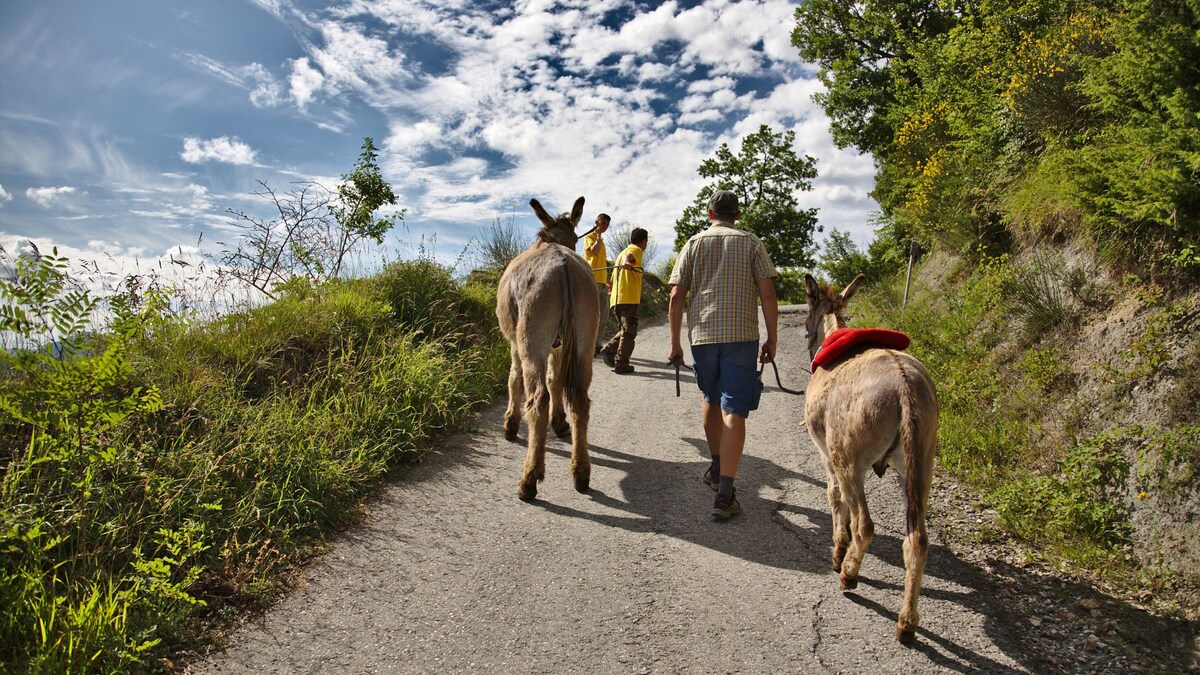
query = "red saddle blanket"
x=843 y=339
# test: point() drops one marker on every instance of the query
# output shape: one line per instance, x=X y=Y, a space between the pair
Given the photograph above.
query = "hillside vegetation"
x=160 y=474
x=1047 y=154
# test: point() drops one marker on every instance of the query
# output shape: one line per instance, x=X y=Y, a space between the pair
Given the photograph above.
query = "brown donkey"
x=546 y=305
x=871 y=407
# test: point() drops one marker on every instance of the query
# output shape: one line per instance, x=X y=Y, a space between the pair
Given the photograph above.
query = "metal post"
x=912 y=254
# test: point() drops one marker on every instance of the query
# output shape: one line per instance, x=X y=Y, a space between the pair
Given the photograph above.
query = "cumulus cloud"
x=45 y=196
x=305 y=81
x=221 y=149
x=478 y=106
x=574 y=104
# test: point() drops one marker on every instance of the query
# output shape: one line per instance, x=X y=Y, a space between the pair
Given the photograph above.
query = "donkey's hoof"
x=562 y=429
x=511 y=428
x=527 y=493
x=582 y=485
x=849 y=583
x=906 y=636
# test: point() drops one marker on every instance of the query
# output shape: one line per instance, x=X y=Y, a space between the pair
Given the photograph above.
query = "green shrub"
x=157 y=473
x=1037 y=297
x=1081 y=506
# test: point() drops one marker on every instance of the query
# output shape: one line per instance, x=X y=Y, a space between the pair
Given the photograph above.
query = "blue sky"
x=128 y=129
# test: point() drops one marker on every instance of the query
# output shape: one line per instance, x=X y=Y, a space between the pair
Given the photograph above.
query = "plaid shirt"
x=721 y=267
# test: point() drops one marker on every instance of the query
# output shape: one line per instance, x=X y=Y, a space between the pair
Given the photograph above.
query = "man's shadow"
x=668 y=497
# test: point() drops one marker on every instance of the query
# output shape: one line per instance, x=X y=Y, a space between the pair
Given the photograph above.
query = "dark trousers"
x=602 y=334
x=623 y=340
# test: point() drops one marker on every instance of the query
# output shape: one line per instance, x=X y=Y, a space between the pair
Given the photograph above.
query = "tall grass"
x=160 y=473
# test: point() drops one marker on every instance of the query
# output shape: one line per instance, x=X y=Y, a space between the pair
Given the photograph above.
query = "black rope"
x=782 y=388
x=677 y=362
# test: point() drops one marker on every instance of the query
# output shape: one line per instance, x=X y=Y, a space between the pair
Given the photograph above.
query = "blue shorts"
x=726 y=372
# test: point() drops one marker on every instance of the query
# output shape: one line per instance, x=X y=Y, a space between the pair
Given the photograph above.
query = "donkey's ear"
x=576 y=212
x=853 y=287
x=812 y=288
x=546 y=219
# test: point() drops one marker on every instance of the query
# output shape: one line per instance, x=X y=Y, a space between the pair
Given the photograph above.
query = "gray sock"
x=725 y=486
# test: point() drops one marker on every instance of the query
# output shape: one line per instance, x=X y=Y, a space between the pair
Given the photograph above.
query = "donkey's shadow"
x=667 y=497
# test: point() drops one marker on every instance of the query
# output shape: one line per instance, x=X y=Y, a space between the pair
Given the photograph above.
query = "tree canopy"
x=993 y=121
x=766 y=174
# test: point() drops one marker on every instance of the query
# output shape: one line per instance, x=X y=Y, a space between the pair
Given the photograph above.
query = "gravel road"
x=450 y=572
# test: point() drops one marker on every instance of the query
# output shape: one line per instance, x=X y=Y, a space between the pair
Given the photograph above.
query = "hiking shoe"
x=622 y=368
x=725 y=507
x=610 y=359
x=711 y=479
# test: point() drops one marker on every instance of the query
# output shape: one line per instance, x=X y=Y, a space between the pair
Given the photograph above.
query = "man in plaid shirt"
x=719 y=276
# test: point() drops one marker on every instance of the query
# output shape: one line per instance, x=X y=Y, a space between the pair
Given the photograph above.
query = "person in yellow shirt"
x=625 y=299
x=597 y=257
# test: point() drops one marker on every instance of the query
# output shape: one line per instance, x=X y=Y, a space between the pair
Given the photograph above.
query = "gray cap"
x=723 y=202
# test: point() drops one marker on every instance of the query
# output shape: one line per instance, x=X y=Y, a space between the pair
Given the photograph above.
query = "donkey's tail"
x=568 y=361
x=917 y=458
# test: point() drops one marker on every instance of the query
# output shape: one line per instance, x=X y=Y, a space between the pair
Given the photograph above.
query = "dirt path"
x=452 y=573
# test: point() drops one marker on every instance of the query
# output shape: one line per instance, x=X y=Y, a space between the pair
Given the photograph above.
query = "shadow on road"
x=667 y=497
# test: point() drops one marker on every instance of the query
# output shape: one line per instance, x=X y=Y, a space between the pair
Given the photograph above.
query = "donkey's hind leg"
x=558 y=415
x=537 y=404
x=916 y=552
x=581 y=410
x=837 y=507
x=516 y=395
x=862 y=529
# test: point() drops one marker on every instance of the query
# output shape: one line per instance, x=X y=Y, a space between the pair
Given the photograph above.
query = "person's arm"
x=595 y=246
x=675 y=316
x=770 y=311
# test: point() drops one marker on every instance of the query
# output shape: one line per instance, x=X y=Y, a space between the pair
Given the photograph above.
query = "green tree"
x=360 y=196
x=316 y=228
x=865 y=52
x=766 y=174
x=841 y=260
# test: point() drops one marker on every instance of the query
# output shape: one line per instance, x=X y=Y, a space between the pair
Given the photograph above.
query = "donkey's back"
x=859 y=403
x=534 y=291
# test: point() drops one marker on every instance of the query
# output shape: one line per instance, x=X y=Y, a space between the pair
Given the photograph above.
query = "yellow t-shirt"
x=627 y=284
x=599 y=259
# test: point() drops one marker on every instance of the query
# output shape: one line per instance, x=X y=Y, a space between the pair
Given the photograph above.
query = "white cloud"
x=265 y=91
x=45 y=196
x=355 y=61
x=481 y=107
x=4 y=195
x=221 y=149
x=305 y=81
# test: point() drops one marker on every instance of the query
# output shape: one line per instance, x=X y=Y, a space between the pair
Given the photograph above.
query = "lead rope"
x=778 y=383
x=678 y=361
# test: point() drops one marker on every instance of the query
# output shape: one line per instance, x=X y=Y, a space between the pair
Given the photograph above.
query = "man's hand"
x=675 y=356
x=768 y=352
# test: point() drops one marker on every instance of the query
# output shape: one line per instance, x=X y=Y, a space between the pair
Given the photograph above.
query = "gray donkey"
x=871 y=407
x=546 y=306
